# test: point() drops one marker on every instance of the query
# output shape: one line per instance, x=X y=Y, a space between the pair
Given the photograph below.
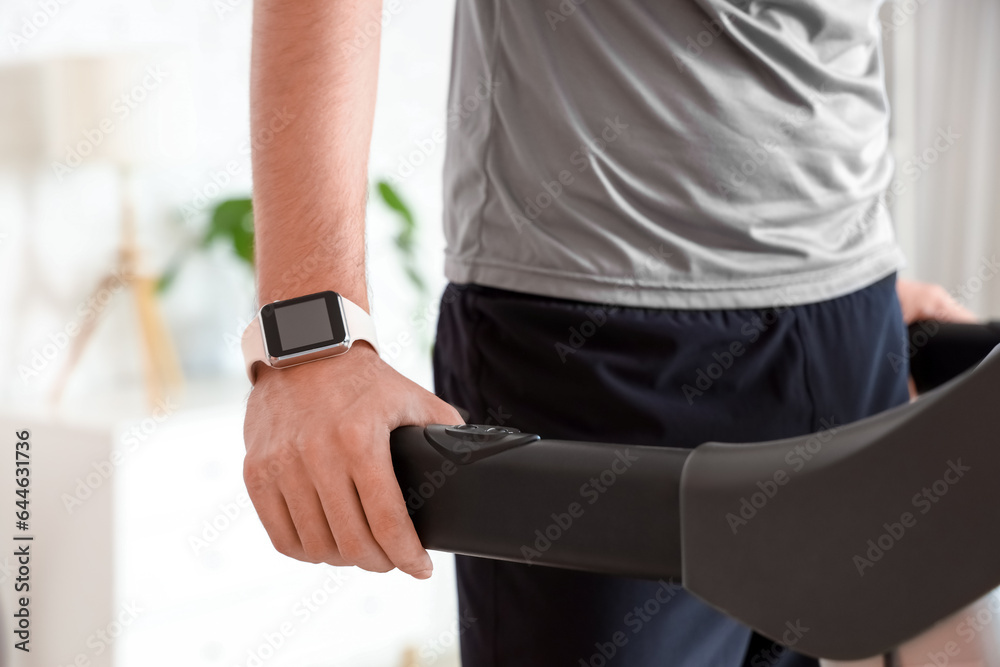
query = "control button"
x=501 y=429
x=466 y=443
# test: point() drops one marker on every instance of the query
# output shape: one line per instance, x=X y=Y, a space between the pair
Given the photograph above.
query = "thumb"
x=429 y=409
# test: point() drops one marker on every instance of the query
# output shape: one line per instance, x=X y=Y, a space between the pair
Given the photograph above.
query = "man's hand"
x=926 y=301
x=318 y=467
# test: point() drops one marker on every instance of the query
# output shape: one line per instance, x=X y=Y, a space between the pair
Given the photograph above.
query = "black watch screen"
x=302 y=324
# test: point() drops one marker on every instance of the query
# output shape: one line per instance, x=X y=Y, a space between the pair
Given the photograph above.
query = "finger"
x=277 y=521
x=388 y=518
x=953 y=311
x=311 y=525
x=346 y=518
x=382 y=499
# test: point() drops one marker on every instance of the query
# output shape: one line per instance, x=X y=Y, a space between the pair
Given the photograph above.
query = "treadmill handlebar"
x=839 y=545
x=494 y=492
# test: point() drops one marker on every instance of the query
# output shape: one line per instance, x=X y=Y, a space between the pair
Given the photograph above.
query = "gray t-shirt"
x=669 y=154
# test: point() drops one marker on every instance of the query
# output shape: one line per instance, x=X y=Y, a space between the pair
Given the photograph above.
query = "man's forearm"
x=310 y=172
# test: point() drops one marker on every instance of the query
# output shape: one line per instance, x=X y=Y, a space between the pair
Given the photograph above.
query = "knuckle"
x=299 y=445
x=338 y=506
x=361 y=553
x=314 y=458
x=345 y=447
x=348 y=430
x=352 y=549
x=295 y=502
x=317 y=550
x=255 y=476
x=353 y=438
x=389 y=525
x=940 y=295
x=286 y=547
x=368 y=474
x=381 y=567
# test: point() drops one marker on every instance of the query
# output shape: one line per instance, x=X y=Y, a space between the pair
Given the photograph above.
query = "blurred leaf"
x=393 y=201
x=233 y=220
x=167 y=279
x=415 y=278
x=405 y=239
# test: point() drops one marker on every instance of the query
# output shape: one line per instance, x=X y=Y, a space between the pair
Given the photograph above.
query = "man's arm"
x=318 y=467
x=310 y=177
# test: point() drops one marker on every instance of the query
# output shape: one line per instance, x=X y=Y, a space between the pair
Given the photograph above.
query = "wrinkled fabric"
x=672 y=154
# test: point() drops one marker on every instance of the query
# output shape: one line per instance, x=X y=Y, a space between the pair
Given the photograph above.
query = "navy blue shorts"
x=584 y=371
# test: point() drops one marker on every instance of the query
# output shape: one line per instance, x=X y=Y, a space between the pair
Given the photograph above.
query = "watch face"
x=303 y=324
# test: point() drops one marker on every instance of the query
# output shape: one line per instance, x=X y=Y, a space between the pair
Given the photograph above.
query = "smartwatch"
x=306 y=328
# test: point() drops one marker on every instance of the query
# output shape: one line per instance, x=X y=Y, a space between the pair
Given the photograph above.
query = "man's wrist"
x=294 y=284
x=359 y=353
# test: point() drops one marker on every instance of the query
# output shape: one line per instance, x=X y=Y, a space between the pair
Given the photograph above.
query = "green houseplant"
x=231 y=224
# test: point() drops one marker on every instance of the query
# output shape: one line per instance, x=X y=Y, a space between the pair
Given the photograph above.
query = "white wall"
x=944 y=82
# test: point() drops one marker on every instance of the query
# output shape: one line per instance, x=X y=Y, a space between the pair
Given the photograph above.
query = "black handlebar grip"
x=940 y=351
x=498 y=493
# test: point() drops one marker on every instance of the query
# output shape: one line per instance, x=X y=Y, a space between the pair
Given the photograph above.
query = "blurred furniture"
x=64 y=113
